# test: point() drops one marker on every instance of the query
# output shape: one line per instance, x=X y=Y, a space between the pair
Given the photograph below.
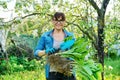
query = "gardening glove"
x=50 y=51
x=67 y=45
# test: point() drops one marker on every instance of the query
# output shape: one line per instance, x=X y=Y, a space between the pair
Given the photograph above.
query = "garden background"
x=95 y=24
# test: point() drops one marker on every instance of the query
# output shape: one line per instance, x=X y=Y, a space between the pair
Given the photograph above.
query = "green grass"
x=112 y=72
x=112 y=69
x=112 y=66
x=24 y=75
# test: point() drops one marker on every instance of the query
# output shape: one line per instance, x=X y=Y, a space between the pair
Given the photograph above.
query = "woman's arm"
x=39 y=50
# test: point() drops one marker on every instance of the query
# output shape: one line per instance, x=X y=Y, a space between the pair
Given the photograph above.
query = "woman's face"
x=58 y=24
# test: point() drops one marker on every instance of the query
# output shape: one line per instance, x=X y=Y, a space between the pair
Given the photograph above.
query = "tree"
x=101 y=24
x=77 y=14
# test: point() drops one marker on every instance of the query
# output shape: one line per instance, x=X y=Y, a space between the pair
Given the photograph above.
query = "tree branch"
x=104 y=6
x=31 y=15
x=9 y=23
x=95 y=6
x=85 y=32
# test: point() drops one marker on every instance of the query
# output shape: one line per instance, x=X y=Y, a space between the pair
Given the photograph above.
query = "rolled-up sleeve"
x=40 y=45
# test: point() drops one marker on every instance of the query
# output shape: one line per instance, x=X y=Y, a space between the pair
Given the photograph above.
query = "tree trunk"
x=101 y=24
x=101 y=42
x=3 y=38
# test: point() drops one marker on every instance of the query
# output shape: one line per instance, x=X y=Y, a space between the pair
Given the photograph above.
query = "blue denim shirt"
x=46 y=42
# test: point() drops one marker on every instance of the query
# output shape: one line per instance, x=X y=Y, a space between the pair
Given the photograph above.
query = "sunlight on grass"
x=112 y=77
x=40 y=75
x=26 y=75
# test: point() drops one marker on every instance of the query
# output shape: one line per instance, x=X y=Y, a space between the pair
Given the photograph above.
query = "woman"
x=52 y=41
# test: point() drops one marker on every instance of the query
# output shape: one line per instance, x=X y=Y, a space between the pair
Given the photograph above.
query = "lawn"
x=112 y=69
x=25 y=75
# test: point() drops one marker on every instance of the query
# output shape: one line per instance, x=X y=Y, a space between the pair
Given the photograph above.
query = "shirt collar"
x=51 y=31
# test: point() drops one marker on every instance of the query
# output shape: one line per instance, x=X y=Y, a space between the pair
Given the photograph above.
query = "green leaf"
x=87 y=69
x=4 y=4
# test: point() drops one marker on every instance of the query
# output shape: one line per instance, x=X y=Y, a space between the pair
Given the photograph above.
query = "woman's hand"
x=67 y=45
x=51 y=51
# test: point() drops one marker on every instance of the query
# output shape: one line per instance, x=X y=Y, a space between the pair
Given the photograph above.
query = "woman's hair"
x=59 y=16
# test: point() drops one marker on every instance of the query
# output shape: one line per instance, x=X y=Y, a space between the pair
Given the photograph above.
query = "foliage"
x=110 y=74
x=87 y=69
x=27 y=40
x=113 y=49
x=112 y=66
x=20 y=51
x=112 y=35
x=4 y=4
x=22 y=45
x=24 y=75
x=78 y=12
x=20 y=55
x=17 y=64
x=33 y=16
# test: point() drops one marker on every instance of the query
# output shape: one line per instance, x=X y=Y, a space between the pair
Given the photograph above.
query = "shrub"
x=16 y=64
